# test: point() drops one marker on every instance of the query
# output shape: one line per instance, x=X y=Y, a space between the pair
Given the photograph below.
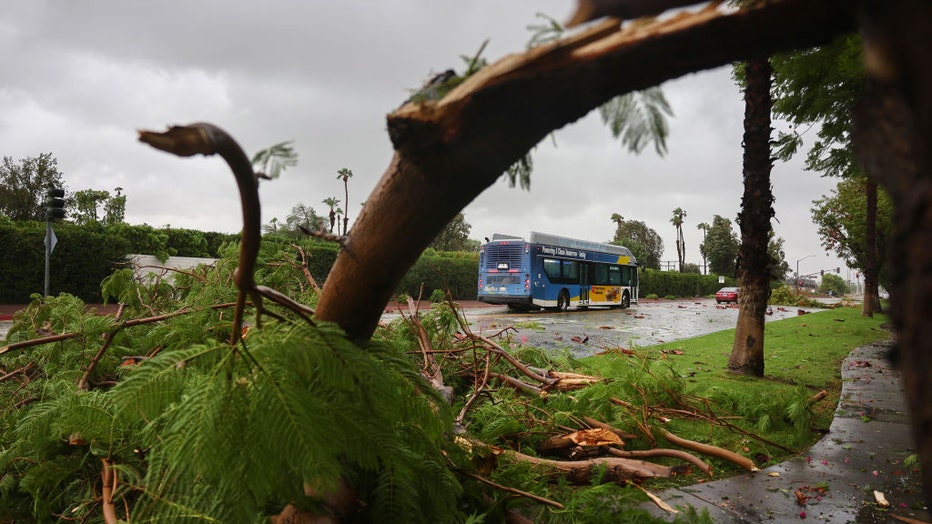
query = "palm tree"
x=747 y=354
x=332 y=202
x=677 y=221
x=704 y=227
x=345 y=174
x=339 y=212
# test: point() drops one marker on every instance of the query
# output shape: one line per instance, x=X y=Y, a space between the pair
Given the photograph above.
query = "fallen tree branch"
x=108 y=480
x=82 y=383
x=590 y=438
x=514 y=491
x=663 y=452
x=818 y=397
x=524 y=387
x=712 y=451
x=655 y=499
x=129 y=323
x=598 y=424
x=19 y=371
x=615 y=469
x=305 y=270
x=431 y=369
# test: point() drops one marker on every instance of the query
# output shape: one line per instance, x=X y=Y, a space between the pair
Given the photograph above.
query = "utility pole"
x=797 y=270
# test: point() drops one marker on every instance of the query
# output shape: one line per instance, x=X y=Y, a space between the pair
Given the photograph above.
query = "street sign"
x=50 y=240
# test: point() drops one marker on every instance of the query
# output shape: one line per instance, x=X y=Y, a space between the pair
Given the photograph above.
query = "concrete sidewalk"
x=863 y=452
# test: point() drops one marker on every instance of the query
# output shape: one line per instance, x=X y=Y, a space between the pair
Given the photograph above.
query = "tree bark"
x=747 y=354
x=449 y=151
x=871 y=300
x=893 y=138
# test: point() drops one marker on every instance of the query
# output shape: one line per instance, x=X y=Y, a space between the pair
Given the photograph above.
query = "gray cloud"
x=82 y=77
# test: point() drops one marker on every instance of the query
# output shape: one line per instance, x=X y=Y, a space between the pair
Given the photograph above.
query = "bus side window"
x=614 y=275
x=570 y=271
x=600 y=277
x=552 y=268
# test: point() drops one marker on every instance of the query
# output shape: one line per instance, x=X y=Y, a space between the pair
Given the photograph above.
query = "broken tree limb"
x=656 y=500
x=523 y=387
x=597 y=437
x=615 y=469
x=599 y=424
x=82 y=384
x=207 y=139
x=565 y=381
x=129 y=323
x=19 y=371
x=712 y=451
x=307 y=273
x=588 y=10
x=513 y=491
x=818 y=397
x=431 y=369
x=663 y=452
x=108 y=480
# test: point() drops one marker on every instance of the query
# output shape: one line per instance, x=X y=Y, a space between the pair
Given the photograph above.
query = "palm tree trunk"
x=747 y=354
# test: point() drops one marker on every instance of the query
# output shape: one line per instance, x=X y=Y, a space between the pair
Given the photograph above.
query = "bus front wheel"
x=625 y=300
x=563 y=301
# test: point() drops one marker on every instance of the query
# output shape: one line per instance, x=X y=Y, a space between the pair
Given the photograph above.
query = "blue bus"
x=555 y=272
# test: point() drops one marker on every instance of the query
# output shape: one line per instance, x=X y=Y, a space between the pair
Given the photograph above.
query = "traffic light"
x=54 y=203
x=822 y=272
x=838 y=269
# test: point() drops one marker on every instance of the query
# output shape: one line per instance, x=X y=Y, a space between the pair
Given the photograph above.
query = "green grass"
x=803 y=356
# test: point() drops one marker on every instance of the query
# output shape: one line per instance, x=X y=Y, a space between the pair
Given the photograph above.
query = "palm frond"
x=275 y=159
x=639 y=118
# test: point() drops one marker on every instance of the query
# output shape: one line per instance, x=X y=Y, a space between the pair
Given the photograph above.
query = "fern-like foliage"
x=200 y=431
x=246 y=429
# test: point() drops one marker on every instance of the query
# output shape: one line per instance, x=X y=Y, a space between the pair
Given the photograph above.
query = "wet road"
x=591 y=331
x=644 y=324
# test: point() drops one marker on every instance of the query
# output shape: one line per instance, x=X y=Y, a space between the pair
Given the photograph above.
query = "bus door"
x=584 y=284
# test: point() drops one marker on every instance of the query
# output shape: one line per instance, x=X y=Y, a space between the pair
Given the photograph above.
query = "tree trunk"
x=871 y=300
x=893 y=138
x=449 y=151
x=747 y=354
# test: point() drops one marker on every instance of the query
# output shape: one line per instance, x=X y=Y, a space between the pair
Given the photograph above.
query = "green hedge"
x=669 y=283
x=85 y=255
x=82 y=258
x=456 y=271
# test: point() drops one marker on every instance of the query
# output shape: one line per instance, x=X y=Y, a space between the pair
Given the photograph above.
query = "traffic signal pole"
x=54 y=208
x=48 y=253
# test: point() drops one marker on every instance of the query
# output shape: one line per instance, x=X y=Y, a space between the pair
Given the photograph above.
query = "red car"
x=727 y=294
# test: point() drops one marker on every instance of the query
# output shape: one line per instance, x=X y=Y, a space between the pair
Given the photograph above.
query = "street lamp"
x=797 y=269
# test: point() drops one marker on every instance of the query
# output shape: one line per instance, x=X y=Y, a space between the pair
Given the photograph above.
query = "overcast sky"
x=81 y=77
